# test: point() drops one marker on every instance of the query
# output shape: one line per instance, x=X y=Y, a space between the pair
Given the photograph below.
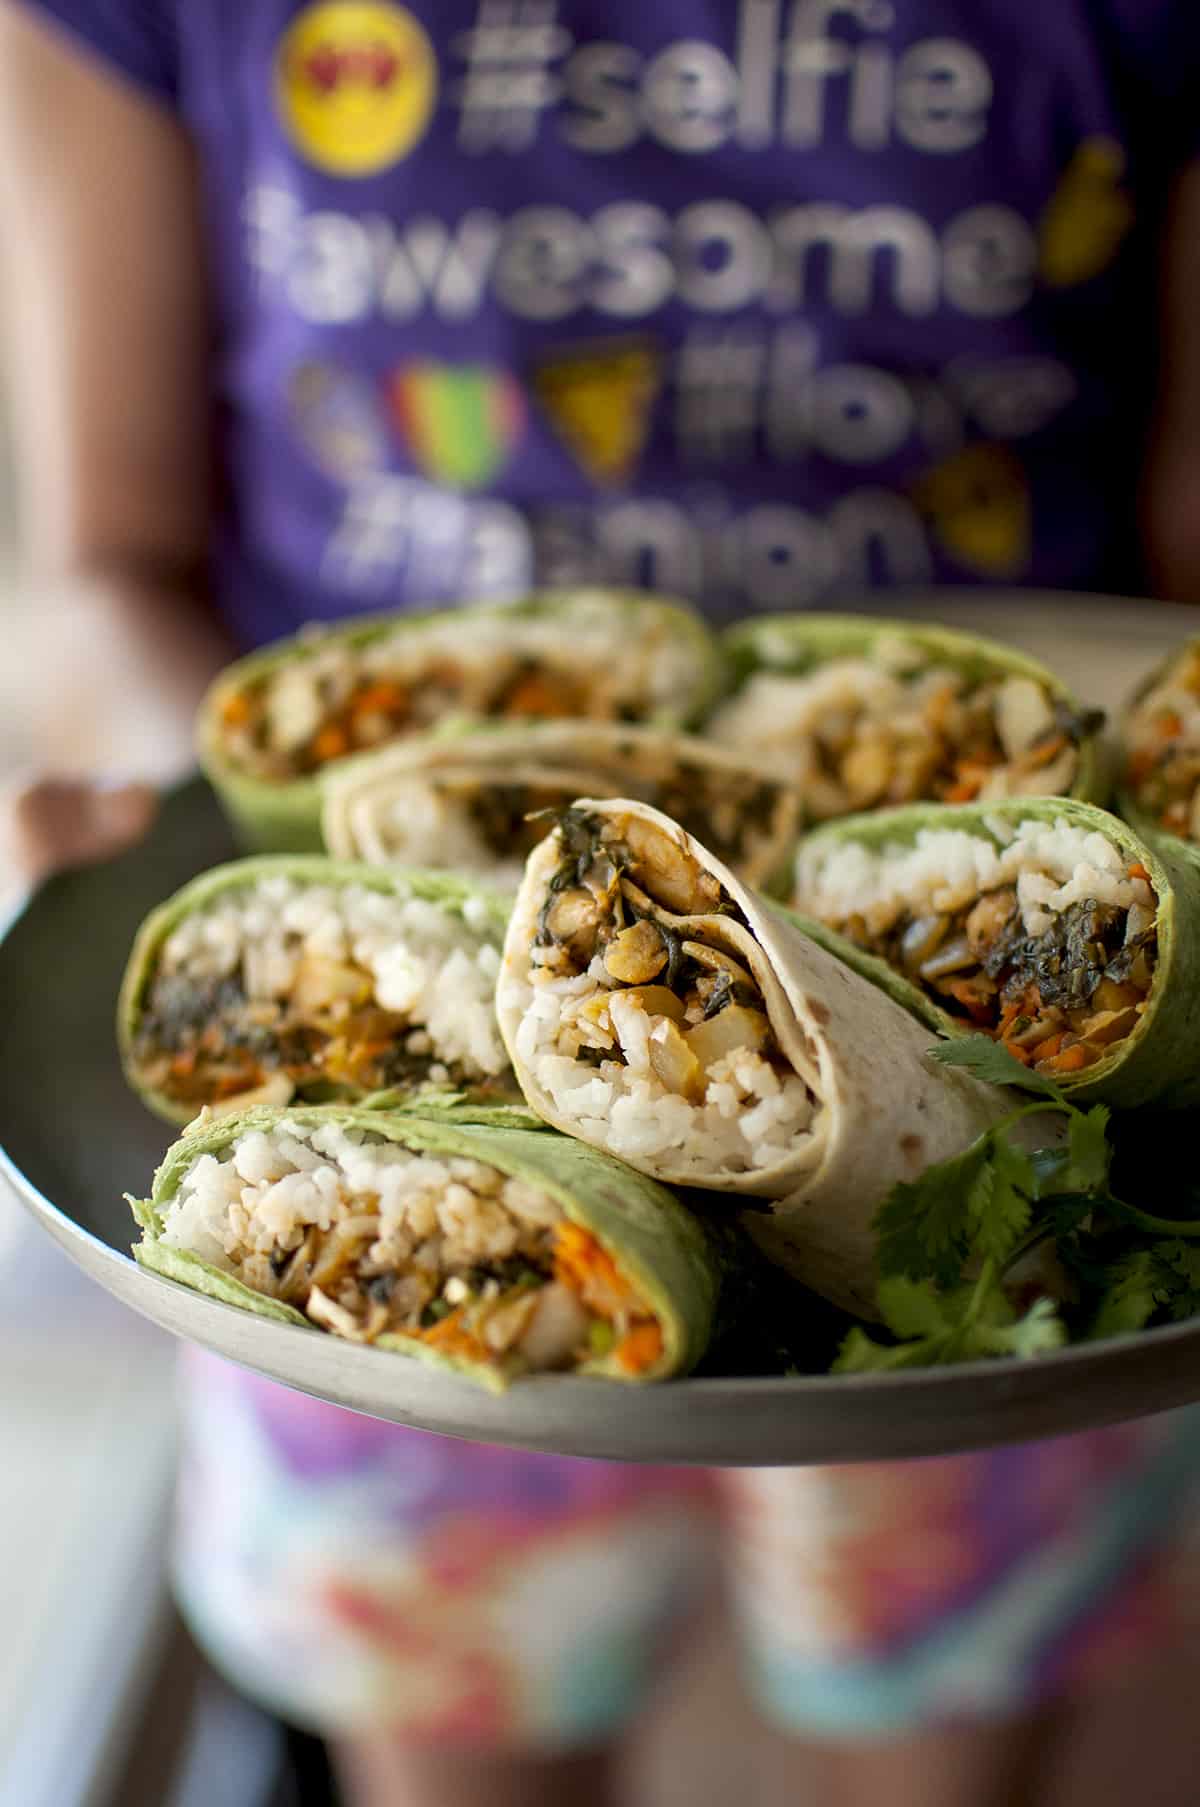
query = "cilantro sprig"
x=960 y=1248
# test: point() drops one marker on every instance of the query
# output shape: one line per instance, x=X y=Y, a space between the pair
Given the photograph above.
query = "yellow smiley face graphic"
x=355 y=85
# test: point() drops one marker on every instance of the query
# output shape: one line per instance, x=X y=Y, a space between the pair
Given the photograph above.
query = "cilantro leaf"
x=1036 y=1333
x=1089 y=1155
x=991 y=1061
x=1000 y=1205
x=966 y=1324
x=1163 y=1278
x=913 y=1307
x=922 y=1224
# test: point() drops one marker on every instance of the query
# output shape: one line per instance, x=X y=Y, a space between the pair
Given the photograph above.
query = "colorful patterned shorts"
x=353 y=1575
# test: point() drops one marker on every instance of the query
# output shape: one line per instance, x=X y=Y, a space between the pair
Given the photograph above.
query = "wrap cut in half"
x=274 y=722
x=865 y=714
x=291 y=976
x=492 y=1252
x=1160 y=754
x=655 y=1007
x=1044 y=922
x=481 y=802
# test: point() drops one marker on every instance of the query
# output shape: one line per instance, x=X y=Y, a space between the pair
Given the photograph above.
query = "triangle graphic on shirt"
x=599 y=399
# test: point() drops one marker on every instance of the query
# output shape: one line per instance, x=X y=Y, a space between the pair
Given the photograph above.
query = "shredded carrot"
x=236 y=709
x=1021 y=1054
x=330 y=743
x=581 y=1264
x=1069 y=1061
x=1168 y=725
x=1137 y=870
x=1008 y=1017
x=534 y=695
x=963 y=790
x=1043 y=1050
x=383 y=698
x=184 y=1064
x=1050 y=750
x=639 y=1348
x=450 y=1337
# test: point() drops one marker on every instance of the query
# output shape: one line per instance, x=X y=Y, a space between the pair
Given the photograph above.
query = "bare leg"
x=381 y=1772
x=976 y=1766
x=1136 y=1740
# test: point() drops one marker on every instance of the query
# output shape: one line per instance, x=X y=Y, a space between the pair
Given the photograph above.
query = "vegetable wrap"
x=274 y=722
x=1045 y=923
x=492 y=1252
x=865 y=714
x=292 y=976
x=1160 y=755
x=655 y=1007
x=481 y=802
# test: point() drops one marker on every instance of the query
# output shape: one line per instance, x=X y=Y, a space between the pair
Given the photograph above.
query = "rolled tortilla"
x=479 y=802
x=654 y=1007
x=275 y=721
x=490 y=1252
x=1160 y=755
x=864 y=713
x=1045 y=922
x=295 y=976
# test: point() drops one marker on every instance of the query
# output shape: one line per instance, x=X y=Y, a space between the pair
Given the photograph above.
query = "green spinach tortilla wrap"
x=863 y=714
x=1044 y=922
x=655 y=1007
x=481 y=802
x=275 y=721
x=493 y=1252
x=291 y=976
x=1160 y=764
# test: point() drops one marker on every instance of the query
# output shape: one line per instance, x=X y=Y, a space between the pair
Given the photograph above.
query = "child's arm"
x=1171 y=498
x=103 y=293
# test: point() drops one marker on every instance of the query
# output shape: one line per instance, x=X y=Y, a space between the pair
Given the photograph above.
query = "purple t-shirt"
x=754 y=301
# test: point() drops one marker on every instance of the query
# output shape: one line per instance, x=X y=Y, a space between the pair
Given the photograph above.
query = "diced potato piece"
x=277 y=1091
x=672 y=876
x=656 y=1000
x=1023 y=712
x=733 y=1030
x=674 y=1062
x=293 y=708
x=1108 y=996
x=557 y=1328
x=572 y=919
x=867 y=771
x=321 y=983
x=637 y=955
x=1111 y=1026
x=987 y=919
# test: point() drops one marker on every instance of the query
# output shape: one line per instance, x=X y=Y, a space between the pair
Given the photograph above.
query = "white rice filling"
x=424 y=960
x=435 y=1212
x=1052 y=865
x=749 y=1118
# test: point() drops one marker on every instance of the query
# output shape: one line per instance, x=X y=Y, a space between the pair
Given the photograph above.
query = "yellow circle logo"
x=355 y=85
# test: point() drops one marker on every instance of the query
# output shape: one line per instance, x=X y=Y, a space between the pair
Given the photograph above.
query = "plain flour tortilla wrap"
x=543 y=1254
x=273 y=723
x=290 y=975
x=479 y=802
x=864 y=713
x=824 y=1097
x=1062 y=932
